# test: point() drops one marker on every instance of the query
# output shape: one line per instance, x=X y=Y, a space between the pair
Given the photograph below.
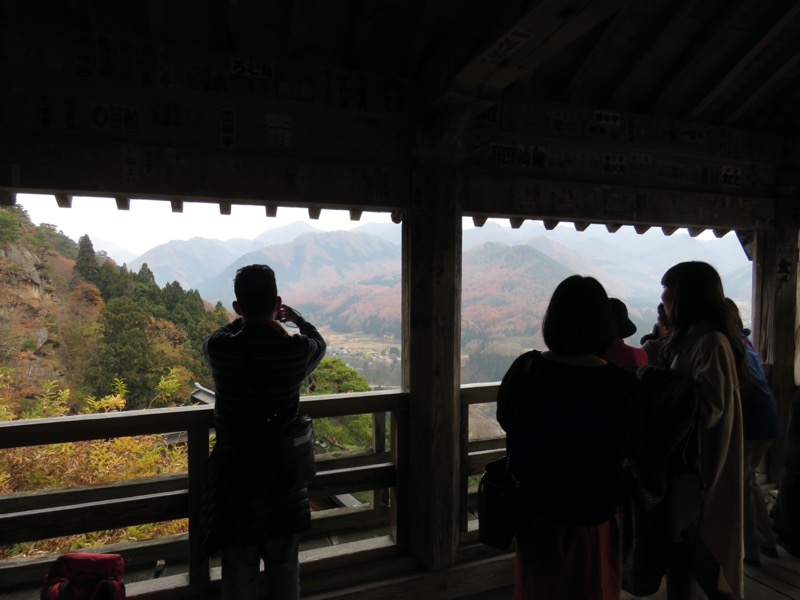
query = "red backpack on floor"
x=85 y=576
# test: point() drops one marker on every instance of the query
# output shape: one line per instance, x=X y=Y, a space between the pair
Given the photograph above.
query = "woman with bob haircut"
x=570 y=419
x=705 y=344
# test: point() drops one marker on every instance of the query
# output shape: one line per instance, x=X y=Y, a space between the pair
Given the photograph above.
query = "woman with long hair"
x=570 y=419
x=706 y=345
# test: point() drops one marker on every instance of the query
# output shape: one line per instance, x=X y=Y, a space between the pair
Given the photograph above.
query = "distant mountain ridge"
x=353 y=276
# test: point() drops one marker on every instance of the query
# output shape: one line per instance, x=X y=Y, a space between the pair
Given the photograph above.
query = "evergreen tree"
x=58 y=240
x=86 y=262
x=334 y=376
x=9 y=227
x=114 y=281
x=127 y=352
x=145 y=275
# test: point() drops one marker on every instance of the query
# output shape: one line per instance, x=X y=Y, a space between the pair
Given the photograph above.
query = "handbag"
x=297 y=461
x=497 y=498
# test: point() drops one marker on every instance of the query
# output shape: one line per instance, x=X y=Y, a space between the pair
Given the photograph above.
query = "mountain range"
x=350 y=280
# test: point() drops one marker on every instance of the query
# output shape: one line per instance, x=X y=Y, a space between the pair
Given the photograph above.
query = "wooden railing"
x=54 y=513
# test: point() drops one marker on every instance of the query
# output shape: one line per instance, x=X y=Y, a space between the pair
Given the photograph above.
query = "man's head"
x=256 y=292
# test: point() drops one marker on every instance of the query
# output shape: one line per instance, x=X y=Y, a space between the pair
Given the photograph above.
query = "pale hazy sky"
x=149 y=223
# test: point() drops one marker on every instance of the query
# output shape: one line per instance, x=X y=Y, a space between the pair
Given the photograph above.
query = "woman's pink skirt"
x=556 y=562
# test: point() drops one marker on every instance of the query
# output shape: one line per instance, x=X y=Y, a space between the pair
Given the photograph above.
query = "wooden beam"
x=552 y=27
x=695 y=231
x=516 y=222
x=479 y=221
x=608 y=34
x=613 y=227
x=757 y=91
x=581 y=225
x=271 y=209
x=314 y=212
x=696 y=51
x=355 y=215
x=123 y=202
x=506 y=193
x=640 y=229
x=663 y=29
x=176 y=205
x=550 y=224
x=7 y=198
x=668 y=230
x=489 y=51
x=58 y=521
x=397 y=217
x=720 y=233
x=224 y=208
x=778 y=17
x=63 y=200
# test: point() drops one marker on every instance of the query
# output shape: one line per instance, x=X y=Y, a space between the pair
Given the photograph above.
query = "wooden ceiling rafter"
x=578 y=76
x=761 y=90
x=574 y=23
x=779 y=16
x=708 y=38
x=519 y=44
x=663 y=29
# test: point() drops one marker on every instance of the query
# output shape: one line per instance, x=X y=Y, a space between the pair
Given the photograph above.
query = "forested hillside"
x=80 y=334
x=73 y=316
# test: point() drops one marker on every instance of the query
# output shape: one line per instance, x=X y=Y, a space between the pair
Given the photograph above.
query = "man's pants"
x=240 y=570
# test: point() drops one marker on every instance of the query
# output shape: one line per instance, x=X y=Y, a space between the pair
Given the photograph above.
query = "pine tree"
x=86 y=263
x=145 y=275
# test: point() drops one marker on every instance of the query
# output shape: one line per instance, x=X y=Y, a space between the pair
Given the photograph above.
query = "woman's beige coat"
x=706 y=356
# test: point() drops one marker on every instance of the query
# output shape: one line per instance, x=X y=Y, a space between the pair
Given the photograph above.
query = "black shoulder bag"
x=498 y=493
x=297 y=451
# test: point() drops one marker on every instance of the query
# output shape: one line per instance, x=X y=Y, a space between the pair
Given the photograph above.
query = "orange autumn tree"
x=84 y=463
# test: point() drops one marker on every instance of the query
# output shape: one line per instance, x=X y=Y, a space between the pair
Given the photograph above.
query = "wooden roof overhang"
x=652 y=114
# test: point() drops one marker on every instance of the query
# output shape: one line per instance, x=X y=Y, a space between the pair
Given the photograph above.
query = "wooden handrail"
x=104 y=507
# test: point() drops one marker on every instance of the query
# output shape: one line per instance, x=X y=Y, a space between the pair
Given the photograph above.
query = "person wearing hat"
x=620 y=353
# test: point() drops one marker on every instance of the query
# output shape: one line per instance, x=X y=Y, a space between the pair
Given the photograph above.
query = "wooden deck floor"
x=775 y=579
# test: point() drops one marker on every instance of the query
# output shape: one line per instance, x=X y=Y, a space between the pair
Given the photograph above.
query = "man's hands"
x=287 y=314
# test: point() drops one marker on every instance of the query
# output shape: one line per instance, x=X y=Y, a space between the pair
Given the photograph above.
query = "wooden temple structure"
x=658 y=114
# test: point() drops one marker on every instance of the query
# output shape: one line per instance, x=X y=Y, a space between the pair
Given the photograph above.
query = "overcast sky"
x=150 y=223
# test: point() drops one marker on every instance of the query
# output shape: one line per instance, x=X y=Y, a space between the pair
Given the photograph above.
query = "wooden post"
x=380 y=497
x=431 y=373
x=198 y=471
x=775 y=315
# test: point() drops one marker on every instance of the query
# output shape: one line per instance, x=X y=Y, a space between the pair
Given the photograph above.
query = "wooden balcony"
x=366 y=568
x=373 y=565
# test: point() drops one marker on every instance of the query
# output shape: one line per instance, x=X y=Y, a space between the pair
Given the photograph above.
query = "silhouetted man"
x=257 y=368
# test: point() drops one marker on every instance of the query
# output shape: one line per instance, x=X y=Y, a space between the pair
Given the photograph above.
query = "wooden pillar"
x=775 y=315
x=431 y=372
